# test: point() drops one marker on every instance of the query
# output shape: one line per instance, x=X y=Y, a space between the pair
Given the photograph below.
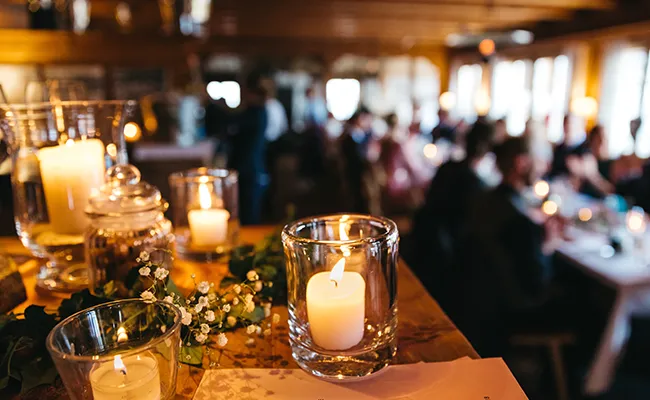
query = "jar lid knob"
x=122 y=175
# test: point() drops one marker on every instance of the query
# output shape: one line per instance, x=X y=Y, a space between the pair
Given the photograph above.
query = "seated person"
x=573 y=159
x=506 y=273
x=440 y=222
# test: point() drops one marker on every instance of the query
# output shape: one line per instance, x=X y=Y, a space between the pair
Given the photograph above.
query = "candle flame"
x=336 y=275
x=121 y=335
x=69 y=142
x=549 y=207
x=541 y=189
x=119 y=365
x=205 y=199
x=636 y=221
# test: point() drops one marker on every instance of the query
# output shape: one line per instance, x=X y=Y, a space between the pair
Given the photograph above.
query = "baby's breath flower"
x=276 y=318
x=235 y=301
x=270 y=284
x=232 y=321
x=258 y=329
x=200 y=337
x=198 y=308
x=203 y=301
x=250 y=329
x=203 y=287
x=250 y=341
x=169 y=299
x=205 y=328
x=209 y=315
x=212 y=297
x=267 y=332
x=248 y=298
x=237 y=289
x=144 y=271
x=250 y=307
x=258 y=286
x=148 y=296
x=252 y=275
x=267 y=312
x=144 y=256
x=161 y=273
x=186 y=318
x=226 y=308
x=222 y=340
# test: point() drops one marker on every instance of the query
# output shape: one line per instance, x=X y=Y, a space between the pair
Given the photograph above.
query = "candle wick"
x=336 y=284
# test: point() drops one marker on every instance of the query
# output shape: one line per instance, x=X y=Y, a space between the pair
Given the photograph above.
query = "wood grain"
x=425 y=333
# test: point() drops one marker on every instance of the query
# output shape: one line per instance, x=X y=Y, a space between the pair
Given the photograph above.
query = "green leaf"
x=192 y=355
x=229 y=281
x=256 y=316
x=38 y=372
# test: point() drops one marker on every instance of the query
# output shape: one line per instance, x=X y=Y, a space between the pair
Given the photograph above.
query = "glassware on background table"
x=126 y=349
x=54 y=90
x=636 y=223
x=127 y=217
x=204 y=207
x=342 y=294
x=60 y=152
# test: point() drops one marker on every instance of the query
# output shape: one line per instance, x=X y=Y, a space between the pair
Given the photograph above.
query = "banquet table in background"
x=425 y=333
x=631 y=280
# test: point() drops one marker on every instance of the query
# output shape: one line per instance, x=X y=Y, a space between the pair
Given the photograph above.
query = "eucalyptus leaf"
x=192 y=355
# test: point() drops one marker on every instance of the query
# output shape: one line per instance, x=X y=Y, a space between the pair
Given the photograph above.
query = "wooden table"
x=425 y=333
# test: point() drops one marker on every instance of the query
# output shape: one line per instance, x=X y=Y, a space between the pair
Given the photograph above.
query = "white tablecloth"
x=630 y=277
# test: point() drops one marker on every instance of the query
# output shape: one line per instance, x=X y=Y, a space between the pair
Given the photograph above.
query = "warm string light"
x=549 y=207
x=541 y=189
x=585 y=214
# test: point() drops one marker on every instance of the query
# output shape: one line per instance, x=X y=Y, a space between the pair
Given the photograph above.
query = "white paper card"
x=463 y=379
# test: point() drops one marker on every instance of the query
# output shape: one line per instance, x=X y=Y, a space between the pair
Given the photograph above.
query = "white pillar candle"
x=208 y=226
x=69 y=173
x=134 y=377
x=336 y=307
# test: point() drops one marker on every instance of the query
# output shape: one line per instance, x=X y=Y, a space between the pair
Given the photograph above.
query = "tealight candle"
x=635 y=220
x=336 y=307
x=134 y=377
x=69 y=173
x=208 y=226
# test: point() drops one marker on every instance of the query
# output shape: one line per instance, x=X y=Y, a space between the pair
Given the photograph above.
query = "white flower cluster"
x=207 y=311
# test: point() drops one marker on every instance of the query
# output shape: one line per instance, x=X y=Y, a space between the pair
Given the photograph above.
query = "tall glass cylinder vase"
x=60 y=152
x=342 y=294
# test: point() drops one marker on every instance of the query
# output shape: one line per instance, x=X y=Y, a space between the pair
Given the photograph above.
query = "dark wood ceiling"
x=398 y=21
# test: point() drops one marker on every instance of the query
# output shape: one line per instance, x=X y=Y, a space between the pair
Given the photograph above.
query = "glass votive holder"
x=126 y=349
x=342 y=294
x=204 y=206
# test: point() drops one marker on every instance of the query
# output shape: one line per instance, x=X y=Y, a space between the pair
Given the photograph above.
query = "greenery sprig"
x=243 y=299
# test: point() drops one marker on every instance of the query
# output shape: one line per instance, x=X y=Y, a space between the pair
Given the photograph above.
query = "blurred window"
x=227 y=90
x=643 y=137
x=623 y=84
x=342 y=97
x=560 y=84
x=469 y=84
x=510 y=94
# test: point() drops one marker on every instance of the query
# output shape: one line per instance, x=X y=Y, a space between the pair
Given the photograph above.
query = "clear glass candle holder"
x=204 y=206
x=60 y=152
x=126 y=349
x=342 y=294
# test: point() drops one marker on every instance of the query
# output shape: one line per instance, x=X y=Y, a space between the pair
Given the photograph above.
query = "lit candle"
x=336 y=307
x=69 y=173
x=541 y=189
x=355 y=260
x=208 y=226
x=635 y=220
x=134 y=377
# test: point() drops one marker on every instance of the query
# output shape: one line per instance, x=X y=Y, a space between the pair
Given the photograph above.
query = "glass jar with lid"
x=127 y=218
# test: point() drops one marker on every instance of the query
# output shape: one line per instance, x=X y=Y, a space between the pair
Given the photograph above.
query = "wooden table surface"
x=425 y=333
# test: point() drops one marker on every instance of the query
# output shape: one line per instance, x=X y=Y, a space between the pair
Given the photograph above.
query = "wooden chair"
x=553 y=342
